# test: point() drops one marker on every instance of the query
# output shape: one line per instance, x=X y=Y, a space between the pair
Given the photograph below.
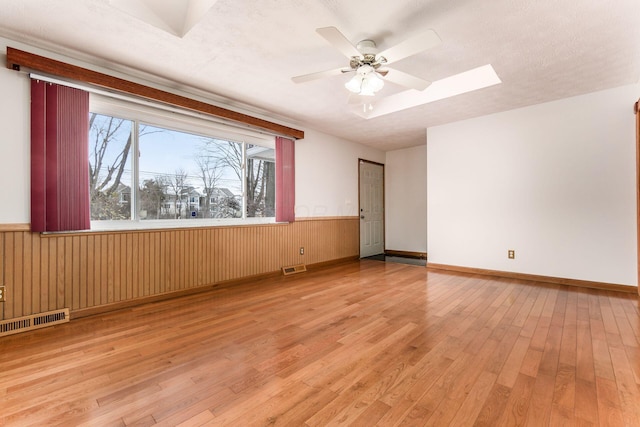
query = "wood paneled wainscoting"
x=94 y=272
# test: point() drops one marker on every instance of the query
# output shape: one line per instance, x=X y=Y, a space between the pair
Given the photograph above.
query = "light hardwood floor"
x=364 y=343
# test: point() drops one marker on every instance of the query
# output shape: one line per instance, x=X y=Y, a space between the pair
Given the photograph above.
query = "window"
x=185 y=169
x=109 y=167
x=261 y=179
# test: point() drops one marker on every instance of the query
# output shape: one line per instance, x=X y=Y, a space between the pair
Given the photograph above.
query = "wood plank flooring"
x=365 y=343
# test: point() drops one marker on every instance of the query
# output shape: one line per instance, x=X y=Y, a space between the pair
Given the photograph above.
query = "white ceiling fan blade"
x=318 y=75
x=339 y=41
x=407 y=80
x=411 y=46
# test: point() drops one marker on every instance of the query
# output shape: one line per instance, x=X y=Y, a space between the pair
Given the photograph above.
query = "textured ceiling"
x=246 y=51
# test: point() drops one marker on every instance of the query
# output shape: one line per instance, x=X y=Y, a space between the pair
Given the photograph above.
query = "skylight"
x=457 y=84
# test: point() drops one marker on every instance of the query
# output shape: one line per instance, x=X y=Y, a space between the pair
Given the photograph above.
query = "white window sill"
x=125 y=225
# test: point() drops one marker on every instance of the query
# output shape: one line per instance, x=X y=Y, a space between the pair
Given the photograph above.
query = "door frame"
x=384 y=210
x=636 y=109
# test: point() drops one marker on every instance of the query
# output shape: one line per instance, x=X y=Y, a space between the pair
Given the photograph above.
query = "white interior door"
x=371 y=209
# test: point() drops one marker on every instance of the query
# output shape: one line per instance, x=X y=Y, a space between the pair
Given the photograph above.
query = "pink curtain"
x=285 y=180
x=59 y=158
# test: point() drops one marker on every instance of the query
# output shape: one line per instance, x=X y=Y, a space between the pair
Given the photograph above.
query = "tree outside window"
x=180 y=175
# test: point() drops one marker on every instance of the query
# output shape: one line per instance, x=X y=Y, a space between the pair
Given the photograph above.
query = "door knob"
x=361 y=216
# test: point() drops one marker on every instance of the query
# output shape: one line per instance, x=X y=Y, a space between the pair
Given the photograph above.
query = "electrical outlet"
x=301 y=250
x=511 y=254
x=2 y=293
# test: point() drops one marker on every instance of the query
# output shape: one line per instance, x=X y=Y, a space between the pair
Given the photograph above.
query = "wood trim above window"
x=17 y=58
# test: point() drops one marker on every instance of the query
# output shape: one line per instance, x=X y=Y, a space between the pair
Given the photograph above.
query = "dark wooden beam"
x=17 y=58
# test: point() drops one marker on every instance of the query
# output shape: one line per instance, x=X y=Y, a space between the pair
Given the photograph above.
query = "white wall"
x=327 y=175
x=555 y=182
x=406 y=199
x=14 y=147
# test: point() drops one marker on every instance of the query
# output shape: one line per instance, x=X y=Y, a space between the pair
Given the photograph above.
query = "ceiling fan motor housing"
x=368 y=50
x=367 y=47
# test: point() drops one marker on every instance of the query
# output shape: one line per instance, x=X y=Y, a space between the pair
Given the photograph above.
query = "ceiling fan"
x=370 y=66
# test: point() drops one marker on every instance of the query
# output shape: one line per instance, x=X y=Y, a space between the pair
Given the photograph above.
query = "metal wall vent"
x=34 y=321
x=294 y=269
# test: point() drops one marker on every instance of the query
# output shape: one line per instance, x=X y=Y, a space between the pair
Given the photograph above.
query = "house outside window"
x=184 y=169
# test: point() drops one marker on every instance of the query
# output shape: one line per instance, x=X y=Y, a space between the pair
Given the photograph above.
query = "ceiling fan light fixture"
x=365 y=92
x=354 y=84
x=372 y=83
x=366 y=82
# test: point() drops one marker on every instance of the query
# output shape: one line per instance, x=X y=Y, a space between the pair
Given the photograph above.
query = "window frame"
x=175 y=119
